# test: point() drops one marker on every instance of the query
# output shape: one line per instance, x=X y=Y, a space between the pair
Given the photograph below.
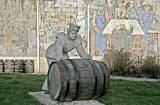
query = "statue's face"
x=73 y=35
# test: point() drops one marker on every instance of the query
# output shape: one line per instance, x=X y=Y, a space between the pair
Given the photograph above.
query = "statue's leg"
x=45 y=84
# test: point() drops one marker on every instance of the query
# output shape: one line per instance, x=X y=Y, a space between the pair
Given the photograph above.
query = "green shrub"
x=150 y=67
x=127 y=64
x=137 y=62
x=118 y=62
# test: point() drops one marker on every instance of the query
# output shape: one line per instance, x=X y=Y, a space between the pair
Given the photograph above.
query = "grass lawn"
x=14 y=90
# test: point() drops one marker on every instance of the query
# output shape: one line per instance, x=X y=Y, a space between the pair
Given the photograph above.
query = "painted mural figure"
x=147 y=18
x=17 y=17
x=81 y=20
x=121 y=11
x=63 y=45
x=7 y=36
x=131 y=11
x=111 y=4
x=139 y=7
x=99 y=20
x=33 y=37
x=121 y=38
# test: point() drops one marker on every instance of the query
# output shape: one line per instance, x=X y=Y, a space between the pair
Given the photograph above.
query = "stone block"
x=46 y=100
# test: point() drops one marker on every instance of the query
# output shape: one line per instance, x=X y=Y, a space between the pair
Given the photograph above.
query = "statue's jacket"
x=60 y=48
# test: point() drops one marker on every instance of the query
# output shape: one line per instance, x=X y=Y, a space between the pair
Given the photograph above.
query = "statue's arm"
x=80 y=50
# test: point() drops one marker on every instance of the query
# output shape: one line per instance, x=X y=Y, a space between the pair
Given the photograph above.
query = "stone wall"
x=18 y=25
x=18 y=28
x=55 y=18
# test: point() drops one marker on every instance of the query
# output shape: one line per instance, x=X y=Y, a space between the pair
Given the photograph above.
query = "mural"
x=132 y=25
x=106 y=25
x=110 y=25
x=55 y=17
x=18 y=28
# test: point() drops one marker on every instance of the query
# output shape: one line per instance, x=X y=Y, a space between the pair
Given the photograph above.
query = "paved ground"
x=121 y=77
x=133 y=79
x=46 y=100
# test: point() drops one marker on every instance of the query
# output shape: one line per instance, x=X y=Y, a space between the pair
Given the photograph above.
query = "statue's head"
x=73 y=31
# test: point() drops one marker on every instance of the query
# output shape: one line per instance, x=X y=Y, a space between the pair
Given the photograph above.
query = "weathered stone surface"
x=46 y=100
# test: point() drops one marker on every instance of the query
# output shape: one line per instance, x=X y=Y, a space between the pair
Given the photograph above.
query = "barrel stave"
x=107 y=74
x=100 y=79
x=72 y=81
x=85 y=74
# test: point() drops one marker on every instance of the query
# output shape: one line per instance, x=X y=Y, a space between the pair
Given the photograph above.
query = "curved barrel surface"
x=77 y=79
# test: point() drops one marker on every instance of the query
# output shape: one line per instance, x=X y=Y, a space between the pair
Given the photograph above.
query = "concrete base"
x=46 y=100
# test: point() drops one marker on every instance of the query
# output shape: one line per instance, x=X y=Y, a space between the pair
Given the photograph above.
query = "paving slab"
x=46 y=100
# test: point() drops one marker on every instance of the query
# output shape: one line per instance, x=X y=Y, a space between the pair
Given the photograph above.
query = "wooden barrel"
x=77 y=79
x=9 y=66
x=1 y=66
x=29 y=66
x=19 y=66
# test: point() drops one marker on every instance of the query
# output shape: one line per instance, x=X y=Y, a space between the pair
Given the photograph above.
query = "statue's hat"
x=74 y=27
